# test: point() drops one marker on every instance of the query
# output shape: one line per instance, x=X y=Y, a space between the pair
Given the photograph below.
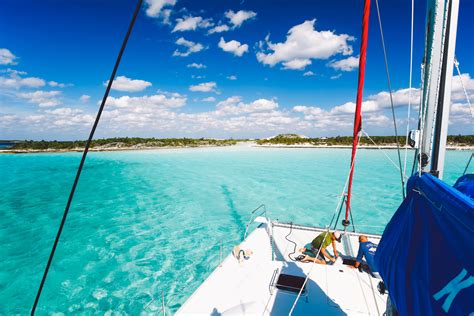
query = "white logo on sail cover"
x=453 y=288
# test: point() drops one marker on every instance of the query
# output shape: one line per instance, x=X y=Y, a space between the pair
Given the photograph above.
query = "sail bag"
x=426 y=254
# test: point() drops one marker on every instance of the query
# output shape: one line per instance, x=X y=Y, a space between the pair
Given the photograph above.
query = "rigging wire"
x=456 y=63
x=409 y=87
x=380 y=148
x=339 y=204
x=84 y=155
x=391 y=98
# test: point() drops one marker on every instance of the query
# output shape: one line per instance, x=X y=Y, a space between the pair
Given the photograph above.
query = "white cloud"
x=42 y=98
x=122 y=83
x=233 y=47
x=304 y=43
x=191 y=23
x=155 y=6
x=349 y=107
x=232 y=77
x=209 y=99
x=65 y=119
x=380 y=101
x=308 y=74
x=56 y=84
x=374 y=110
x=192 y=47
x=204 y=87
x=13 y=72
x=234 y=106
x=197 y=66
x=7 y=57
x=336 y=76
x=206 y=23
x=347 y=64
x=457 y=90
x=16 y=82
x=296 y=64
x=14 y=79
x=237 y=18
x=165 y=16
x=308 y=110
x=32 y=82
x=146 y=103
x=219 y=29
x=85 y=98
x=64 y=111
x=336 y=120
x=165 y=114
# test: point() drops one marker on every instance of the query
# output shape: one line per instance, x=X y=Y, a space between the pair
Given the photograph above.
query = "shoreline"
x=360 y=146
x=101 y=149
x=239 y=144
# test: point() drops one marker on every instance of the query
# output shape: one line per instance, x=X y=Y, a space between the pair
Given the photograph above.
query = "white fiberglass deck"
x=245 y=289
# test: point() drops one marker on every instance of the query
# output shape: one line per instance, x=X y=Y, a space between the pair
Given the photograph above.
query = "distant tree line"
x=291 y=139
x=286 y=139
x=123 y=142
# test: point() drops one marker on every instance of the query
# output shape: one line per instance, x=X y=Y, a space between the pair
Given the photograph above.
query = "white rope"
x=456 y=63
x=409 y=89
x=383 y=151
x=341 y=198
x=373 y=293
x=363 y=292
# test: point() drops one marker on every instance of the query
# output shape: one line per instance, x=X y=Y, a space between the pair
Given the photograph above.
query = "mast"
x=442 y=16
x=444 y=101
x=358 y=110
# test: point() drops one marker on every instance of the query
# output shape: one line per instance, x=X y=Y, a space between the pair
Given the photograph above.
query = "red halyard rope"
x=357 y=115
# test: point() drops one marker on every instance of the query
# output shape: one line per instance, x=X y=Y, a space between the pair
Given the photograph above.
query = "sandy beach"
x=241 y=144
x=386 y=146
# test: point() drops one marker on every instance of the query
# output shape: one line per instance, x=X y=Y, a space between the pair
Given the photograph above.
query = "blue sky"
x=210 y=68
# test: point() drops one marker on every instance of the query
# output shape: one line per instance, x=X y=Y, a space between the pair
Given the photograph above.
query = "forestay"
x=426 y=255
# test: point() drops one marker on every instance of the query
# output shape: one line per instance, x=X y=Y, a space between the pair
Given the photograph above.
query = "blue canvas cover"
x=426 y=255
x=465 y=184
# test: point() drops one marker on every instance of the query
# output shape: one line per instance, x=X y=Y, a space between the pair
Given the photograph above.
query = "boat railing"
x=259 y=211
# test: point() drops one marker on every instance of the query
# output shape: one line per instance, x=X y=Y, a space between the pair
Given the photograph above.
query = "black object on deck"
x=291 y=283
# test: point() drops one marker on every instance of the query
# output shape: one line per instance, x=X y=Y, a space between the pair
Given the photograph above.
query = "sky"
x=221 y=69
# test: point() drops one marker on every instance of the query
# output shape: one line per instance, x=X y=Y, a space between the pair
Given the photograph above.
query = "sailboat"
x=425 y=256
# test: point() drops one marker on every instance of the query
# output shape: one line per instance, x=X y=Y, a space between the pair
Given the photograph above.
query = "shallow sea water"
x=145 y=223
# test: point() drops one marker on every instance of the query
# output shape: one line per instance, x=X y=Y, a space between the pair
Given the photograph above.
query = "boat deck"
x=247 y=288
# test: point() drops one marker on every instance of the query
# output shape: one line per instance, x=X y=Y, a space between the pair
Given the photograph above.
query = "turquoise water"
x=148 y=222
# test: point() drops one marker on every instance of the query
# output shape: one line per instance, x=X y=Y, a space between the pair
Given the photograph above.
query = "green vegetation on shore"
x=293 y=139
x=125 y=142
x=284 y=139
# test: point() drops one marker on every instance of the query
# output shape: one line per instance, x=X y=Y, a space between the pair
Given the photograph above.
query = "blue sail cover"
x=426 y=255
